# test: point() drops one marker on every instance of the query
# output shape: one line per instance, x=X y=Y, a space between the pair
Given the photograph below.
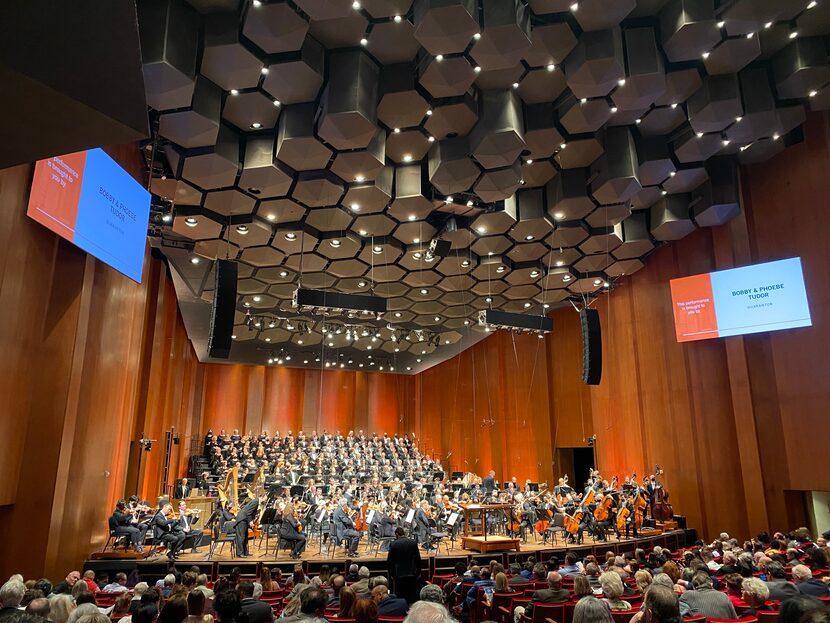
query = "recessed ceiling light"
x=264 y=71
x=276 y=103
x=481 y=230
x=449 y=199
x=271 y=217
x=290 y=236
x=256 y=125
x=705 y=55
x=813 y=93
x=364 y=41
x=267 y=339
x=416 y=240
x=725 y=142
x=363 y=232
x=466 y=322
x=559 y=216
x=257 y=3
x=246 y=304
x=583 y=100
x=429 y=112
x=359 y=178
x=566 y=278
x=437 y=319
x=411 y=217
x=545 y=306
x=560 y=263
x=356 y=5
x=768 y=25
x=738 y=119
x=776 y=136
x=234 y=92
x=397 y=130
x=621 y=82
x=283 y=273
x=242 y=229
x=431 y=139
x=489 y=299
x=407 y=157
x=550 y=67
x=335 y=242
x=194 y=260
x=527 y=305
x=377 y=249
x=361 y=284
x=465 y=263
x=257 y=299
x=749 y=35
x=793 y=34
x=699 y=134
x=355 y=207
x=398 y=19
x=674 y=105
x=417 y=255
x=534 y=273
x=418 y=360
x=613 y=109
x=529 y=161
x=515 y=85
x=397 y=314
x=575 y=6
x=721 y=24
x=500 y=269
x=529 y=237
x=191 y=221
x=233 y=337
x=477 y=36
x=812 y=4
x=638 y=121
x=664 y=192
x=424 y=290
x=477 y=69
x=439 y=58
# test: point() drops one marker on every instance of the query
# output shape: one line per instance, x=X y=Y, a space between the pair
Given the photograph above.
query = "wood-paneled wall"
x=92 y=360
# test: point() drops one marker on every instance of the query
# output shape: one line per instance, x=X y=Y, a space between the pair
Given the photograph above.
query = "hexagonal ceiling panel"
x=449 y=155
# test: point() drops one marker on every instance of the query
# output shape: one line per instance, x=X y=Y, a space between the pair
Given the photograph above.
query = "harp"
x=229 y=490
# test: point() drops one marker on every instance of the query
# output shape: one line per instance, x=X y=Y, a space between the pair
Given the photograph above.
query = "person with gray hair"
x=591 y=610
x=11 y=594
x=94 y=617
x=82 y=610
x=60 y=607
x=806 y=583
x=428 y=612
x=706 y=601
x=431 y=592
x=612 y=588
x=755 y=593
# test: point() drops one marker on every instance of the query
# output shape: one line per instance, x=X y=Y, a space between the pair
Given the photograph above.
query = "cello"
x=603 y=509
x=661 y=509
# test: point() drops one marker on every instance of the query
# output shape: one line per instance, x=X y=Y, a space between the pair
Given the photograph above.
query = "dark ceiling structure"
x=553 y=143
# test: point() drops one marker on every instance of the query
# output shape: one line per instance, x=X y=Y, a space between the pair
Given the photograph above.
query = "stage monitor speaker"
x=591 y=347
x=222 y=312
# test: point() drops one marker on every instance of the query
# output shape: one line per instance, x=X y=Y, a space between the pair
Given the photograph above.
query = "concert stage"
x=435 y=562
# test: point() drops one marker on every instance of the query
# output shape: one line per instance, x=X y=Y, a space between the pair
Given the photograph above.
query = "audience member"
x=39 y=607
x=428 y=612
x=389 y=605
x=570 y=568
x=11 y=594
x=61 y=606
x=365 y=611
x=312 y=607
x=792 y=610
x=432 y=593
x=361 y=587
x=807 y=584
x=612 y=588
x=226 y=606
x=755 y=594
x=174 y=610
x=642 y=579
x=82 y=610
x=591 y=610
x=582 y=587
x=66 y=586
x=196 y=608
x=257 y=611
x=118 y=586
x=706 y=601
x=346 y=602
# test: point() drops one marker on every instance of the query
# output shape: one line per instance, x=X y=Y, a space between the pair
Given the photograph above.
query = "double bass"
x=661 y=509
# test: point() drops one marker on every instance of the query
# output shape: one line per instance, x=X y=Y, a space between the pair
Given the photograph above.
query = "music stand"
x=457 y=476
x=438 y=475
x=296 y=490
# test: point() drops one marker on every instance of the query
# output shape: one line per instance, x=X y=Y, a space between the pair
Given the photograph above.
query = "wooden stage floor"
x=672 y=539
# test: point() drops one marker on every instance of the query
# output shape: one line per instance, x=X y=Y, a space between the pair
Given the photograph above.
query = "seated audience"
x=174 y=610
x=196 y=608
x=705 y=600
x=39 y=607
x=591 y=610
x=755 y=594
x=582 y=587
x=612 y=588
x=428 y=612
x=11 y=594
x=388 y=604
x=347 y=600
x=256 y=610
x=365 y=611
x=807 y=584
x=432 y=593
x=793 y=610
x=642 y=579
x=119 y=585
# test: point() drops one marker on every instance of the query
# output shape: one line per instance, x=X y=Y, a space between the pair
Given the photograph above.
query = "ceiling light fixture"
x=575 y=6
x=256 y=125
x=364 y=41
x=439 y=58
x=559 y=216
x=407 y=157
x=411 y=217
x=477 y=69
x=234 y=92
x=477 y=36
x=264 y=71
x=494 y=319
x=721 y=24
x=398 y=19
x=335 y=242
x=242 y=229
x=550 y=67
x=359 y=178
x=290 y=236
x=191 y=221
x=768 y=25
x=276 y=103
x=194 y=260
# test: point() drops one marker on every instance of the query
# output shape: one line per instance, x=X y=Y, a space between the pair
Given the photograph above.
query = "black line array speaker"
x=591 y=346
x=222 y=312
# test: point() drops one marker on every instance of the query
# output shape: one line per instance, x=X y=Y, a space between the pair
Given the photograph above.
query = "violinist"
x=164 y=523
x=188 y=517
x=422 y=527
x=122 y=523
x=291 y=531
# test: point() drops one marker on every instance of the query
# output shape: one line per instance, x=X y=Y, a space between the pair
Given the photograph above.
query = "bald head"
x=554 y=580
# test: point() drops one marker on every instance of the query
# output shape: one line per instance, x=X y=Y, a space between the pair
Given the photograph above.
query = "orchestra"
x=345 y=488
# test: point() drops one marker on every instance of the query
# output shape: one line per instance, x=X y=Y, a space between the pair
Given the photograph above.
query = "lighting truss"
x=494 y=319
x=326 y=303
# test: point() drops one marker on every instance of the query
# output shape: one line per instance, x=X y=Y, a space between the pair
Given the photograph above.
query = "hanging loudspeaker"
x=222 y=312
x=591 y=347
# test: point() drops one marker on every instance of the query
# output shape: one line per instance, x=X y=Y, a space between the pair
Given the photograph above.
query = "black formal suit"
x=422 y=527
x=813 y=587
x=202 y=483
x=164 y=533
x=243 y=519
x=488 y=484
x=257 y=611
x=120 y=524
x=404 y=566
x=344 y=530
x=290 y=533
x=182 y=491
